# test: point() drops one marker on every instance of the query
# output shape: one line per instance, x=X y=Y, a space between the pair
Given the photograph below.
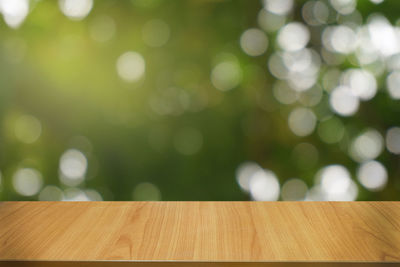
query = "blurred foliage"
x=172 y=134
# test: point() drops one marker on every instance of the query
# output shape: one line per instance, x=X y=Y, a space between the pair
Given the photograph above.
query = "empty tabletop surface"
x=200 y=231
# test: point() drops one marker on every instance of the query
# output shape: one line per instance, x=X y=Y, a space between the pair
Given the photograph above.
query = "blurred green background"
x=199 y=100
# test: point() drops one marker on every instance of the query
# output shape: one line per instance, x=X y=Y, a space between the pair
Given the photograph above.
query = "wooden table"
x=199 y=233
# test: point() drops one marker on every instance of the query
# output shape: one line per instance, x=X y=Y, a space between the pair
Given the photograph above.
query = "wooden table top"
x=200 y=231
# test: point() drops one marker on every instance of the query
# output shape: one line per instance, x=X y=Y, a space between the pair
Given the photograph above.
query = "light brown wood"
x=274 y=232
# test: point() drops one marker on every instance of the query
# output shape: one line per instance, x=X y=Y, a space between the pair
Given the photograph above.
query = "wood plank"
x=220 y=233
x=190 y=264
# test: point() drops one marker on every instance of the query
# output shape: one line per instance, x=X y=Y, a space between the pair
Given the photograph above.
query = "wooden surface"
x=219 y=232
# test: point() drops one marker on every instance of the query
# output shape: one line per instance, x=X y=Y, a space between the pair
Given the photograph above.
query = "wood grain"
x=196 y=232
